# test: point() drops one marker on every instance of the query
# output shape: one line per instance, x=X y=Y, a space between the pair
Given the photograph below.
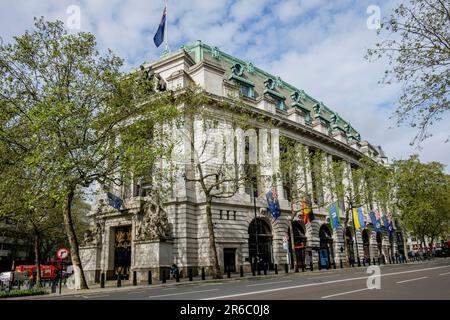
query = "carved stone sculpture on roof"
x=152 y=223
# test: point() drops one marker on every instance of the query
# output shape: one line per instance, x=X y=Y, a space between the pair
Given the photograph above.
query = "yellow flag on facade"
x=356 y=219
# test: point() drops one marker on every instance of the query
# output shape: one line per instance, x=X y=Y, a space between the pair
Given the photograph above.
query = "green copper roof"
x=250 y=74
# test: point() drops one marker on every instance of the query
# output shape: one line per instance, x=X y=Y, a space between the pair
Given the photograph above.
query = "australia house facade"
x=146 y=235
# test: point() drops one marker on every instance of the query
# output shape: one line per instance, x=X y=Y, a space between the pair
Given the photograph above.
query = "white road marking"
x=262 y=284
x=94 y=296
x=134 y=292
x=320 y=277
x=443 y=274
x=180 y=293
x=348 y=292
x=412 y=280
x=319 y=284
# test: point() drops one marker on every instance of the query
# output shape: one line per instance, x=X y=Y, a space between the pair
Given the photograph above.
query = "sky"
x=316 y=45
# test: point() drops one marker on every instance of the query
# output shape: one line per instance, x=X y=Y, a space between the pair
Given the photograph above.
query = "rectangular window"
x=220 y=214
x=235 y=215
x=246 y=91
x=228 y=215
x=280 y=104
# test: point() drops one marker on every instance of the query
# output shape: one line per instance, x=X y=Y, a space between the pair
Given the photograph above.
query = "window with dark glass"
x=246 y=91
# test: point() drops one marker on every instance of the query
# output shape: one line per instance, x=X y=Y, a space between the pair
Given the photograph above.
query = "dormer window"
x=246 y=90
x=280 y=104
x=246 y=87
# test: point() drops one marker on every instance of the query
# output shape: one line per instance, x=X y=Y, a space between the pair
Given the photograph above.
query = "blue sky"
x=316 y=45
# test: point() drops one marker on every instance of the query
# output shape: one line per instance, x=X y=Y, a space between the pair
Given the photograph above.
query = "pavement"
x=411 y=281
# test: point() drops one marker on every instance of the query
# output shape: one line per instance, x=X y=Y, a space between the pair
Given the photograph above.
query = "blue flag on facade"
x=114 y=201
x=375 y=222
x=272 y=203
x=333 y=211
x=159 y=36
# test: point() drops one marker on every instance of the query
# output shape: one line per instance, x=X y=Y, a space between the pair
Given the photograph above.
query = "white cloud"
x=316 y=45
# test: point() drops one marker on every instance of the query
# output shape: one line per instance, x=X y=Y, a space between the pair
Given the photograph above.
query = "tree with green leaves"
x=293 y=171
x=416 y=42
x=422 y=192
x=75 y=118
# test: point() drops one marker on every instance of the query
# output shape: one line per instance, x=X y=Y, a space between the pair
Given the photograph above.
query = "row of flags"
x=273 y=206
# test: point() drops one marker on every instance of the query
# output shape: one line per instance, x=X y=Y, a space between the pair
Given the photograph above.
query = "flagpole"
x=167 y=31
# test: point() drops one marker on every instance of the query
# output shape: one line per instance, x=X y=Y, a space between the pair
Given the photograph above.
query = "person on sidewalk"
x=173 y=271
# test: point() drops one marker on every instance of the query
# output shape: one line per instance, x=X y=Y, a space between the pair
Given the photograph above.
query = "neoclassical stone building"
x=147 y=234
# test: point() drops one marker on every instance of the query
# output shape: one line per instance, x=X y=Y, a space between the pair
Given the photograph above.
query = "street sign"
x=62 y=253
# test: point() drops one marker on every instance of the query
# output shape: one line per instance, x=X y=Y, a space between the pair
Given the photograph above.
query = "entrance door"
x=229 y=257
x=122 y=252
x=260 y=244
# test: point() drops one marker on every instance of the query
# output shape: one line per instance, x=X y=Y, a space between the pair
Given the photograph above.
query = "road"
x=427 y=280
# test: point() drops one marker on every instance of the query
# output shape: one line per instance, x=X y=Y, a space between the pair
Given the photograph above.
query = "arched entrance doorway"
x=299 y=243
x=326 y=247
x=366 y=244
x=379 y=243
x=260 y=243
x=349 y=242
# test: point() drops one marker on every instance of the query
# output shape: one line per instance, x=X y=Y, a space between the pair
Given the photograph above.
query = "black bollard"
x=102 y=280
x=318 y=264
x=341 y=264
x=390 y=262
x=149 y=277
x=119 y=281
x=253 y=269
x=241 y=271
x=286 y=268
x=334 y=264
x=190 y=274
x=164 y=276
x=359 y=262
x=303 y=267
x=276 y=268
x=368 y=261
x=134 y=278
x=258 y=269
x=311 y=266
x=265 y=269
x=374 y=262
x=296 y=268
x=203 y=273
x=364 y=262
x=228 y=272
x=177 y=276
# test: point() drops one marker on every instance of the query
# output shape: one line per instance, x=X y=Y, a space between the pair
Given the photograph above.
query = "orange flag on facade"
x=308 y=215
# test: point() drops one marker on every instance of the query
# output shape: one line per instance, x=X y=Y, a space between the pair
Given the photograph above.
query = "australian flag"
x=114 y=201
x=159 y=36
x=272 y=203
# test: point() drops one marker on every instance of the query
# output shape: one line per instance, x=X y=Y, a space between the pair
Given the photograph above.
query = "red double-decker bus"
x=47 y=271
